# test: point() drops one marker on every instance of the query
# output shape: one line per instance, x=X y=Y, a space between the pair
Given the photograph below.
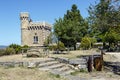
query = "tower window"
x=35 y=39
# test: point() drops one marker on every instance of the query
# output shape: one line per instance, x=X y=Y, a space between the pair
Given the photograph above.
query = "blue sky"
x=39 y=10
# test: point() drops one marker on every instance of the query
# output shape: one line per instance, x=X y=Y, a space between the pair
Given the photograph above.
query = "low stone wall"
x=19 y=64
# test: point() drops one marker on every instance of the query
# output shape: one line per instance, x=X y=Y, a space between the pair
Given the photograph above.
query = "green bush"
x=53 y=47
x=86 y=43
x=59 y=46
x=9 y=51
x=25 y=48
x=16 y=47
x=93 y=41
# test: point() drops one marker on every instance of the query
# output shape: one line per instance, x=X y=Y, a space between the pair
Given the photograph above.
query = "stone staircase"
x=55 y=67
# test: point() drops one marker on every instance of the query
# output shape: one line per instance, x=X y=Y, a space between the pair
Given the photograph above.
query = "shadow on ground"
x=113 y=66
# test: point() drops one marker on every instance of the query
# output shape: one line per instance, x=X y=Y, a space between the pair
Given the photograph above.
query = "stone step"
x=44 y=69
x=52 y=67
x=55 y=66
x=47 y=60
x=48 y=63
x=62 y=69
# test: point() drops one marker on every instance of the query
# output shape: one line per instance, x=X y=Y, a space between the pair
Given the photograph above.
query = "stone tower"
x=33 y=33
x=24 y=17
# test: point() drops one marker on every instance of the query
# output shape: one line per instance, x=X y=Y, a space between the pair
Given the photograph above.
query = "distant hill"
x=2 y=46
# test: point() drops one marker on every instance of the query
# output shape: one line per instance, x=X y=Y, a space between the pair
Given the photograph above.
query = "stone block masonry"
x=33 y=33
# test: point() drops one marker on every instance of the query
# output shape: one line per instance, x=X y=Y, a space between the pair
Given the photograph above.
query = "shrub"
x=25 y=48
x=93 y=40
x=60 y=45
x=9 y=51
x=16 y=47
x=53 y=47
x=86 y=43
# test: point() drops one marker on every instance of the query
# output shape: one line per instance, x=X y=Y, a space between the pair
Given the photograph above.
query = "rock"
x=31 y=64
x=82 y=66
x=18 y=64
x=33 y=53
x=8 y=64
x=77 y=61
x=63 y=60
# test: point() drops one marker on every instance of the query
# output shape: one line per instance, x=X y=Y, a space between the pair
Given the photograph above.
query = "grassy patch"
x=26 y=74
x=75 y=73
x=83 y=70
x=79 y=71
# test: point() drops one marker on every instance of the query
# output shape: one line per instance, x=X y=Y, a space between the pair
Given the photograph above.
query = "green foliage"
x=71 y=28
x=111 y=37
x=53 y=47
x=9 y=51
x=86 y=43
x=60 y=46
x=104 y=16
x=12 y=49
x=75 y=73
x=16 y=47
x=25 y=48
x=93 y=40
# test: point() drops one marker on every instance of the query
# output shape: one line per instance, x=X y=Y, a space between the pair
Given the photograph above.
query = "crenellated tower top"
x=24 y=17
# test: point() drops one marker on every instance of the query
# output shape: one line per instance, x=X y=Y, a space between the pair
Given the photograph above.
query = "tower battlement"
x=24 y=14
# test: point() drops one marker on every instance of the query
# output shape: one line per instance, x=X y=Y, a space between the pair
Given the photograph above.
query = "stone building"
x=33 y=33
